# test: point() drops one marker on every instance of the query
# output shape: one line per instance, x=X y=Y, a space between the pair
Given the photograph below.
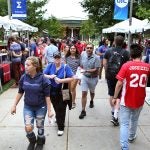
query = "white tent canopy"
x=16 y=25
x=123 y=27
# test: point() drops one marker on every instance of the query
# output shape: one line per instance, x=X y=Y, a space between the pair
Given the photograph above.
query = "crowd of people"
x=49 y=65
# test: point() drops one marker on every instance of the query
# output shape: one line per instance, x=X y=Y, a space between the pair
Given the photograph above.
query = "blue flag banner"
x=121 y=9
x=18 y=8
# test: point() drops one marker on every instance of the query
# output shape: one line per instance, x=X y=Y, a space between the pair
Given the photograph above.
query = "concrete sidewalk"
x=95 y=132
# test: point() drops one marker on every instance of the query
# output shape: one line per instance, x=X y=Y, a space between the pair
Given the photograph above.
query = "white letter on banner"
x=121 y=3
x=18 y=4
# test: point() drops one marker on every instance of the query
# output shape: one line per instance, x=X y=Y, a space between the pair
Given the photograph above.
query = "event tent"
x=123 y=27
x=16 y=25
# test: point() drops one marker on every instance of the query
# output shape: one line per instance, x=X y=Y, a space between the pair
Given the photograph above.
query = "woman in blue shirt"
x=36 y=100
x=58 y=73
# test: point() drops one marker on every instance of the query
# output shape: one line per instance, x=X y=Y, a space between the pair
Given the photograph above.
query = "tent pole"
x=130 y=23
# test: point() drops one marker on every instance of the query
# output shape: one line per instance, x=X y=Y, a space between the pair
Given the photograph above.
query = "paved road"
x=95 y=132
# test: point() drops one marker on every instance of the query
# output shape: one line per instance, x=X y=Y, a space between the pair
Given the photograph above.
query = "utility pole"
x=130 y=23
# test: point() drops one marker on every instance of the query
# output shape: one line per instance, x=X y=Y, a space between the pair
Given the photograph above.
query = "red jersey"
x=134 y=76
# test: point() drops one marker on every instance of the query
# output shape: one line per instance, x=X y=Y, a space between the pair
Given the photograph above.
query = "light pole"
x=9 y=9
x=130 y=23
x=9 y=14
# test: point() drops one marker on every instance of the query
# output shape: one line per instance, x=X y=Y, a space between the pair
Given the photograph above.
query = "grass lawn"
x=7 y=85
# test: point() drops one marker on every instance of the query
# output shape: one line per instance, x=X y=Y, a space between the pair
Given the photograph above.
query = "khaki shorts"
x=89 y=83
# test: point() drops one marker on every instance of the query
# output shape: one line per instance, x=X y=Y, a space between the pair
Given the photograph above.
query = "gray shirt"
x=90 y=62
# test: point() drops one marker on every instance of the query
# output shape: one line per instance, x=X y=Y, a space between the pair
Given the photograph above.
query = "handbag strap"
x=64 y=74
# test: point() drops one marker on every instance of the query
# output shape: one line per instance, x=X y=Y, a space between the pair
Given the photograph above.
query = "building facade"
x=72 y=26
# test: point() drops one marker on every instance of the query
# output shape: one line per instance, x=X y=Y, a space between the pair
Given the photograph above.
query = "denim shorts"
x=32 y=113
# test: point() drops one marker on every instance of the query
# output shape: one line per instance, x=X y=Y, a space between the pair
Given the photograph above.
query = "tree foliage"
x=143 y=12
x=35 y=13
x=35 y=17
x=54 y=27
x=102 y=11
x=3 y=8
x=88 y=28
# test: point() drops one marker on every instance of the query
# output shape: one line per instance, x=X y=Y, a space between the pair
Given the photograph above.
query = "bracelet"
x=115 y=98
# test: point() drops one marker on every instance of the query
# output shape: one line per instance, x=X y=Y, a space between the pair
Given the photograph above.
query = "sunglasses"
x=89 y=47
x=57 y=57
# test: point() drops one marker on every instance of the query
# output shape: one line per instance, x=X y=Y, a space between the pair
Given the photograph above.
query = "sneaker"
x=60 y=133
x=73 y=105
x=38 y=147
x=31 y=146
x=91 y=104
x=115 y=121
x=131 y=140
x=83 y=114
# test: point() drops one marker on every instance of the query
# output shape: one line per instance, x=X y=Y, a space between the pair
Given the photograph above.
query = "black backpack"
x=114 y=63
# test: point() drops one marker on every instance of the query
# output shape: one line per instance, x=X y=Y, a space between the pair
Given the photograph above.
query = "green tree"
x=34 y=12
x=88 y=28
x=143 y=12
x=101 y=11
x=54 y=27
x=3 y=8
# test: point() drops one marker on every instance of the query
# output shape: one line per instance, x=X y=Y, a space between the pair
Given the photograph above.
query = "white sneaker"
x=60 y=133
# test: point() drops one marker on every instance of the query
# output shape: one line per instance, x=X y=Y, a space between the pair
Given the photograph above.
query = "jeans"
x=128 y=116
x=35 y=112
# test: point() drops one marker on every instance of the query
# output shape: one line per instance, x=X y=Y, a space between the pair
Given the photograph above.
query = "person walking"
x=50 y=50
x=36 y=101
x=90 y=64
x=58 y=73
x=16 y=55
x=73 y=60
x=132 y=77
x=114 y=58
x=64 y=52
x=100 y=52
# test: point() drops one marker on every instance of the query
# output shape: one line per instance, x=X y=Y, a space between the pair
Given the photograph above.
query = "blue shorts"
x=32 y=113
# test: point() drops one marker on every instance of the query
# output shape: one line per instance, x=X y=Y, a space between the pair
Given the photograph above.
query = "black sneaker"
x=115 y=121
x=83 y=114
x=91 y=104
x=39 y=147
x=131 y=140
x=31 y=146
